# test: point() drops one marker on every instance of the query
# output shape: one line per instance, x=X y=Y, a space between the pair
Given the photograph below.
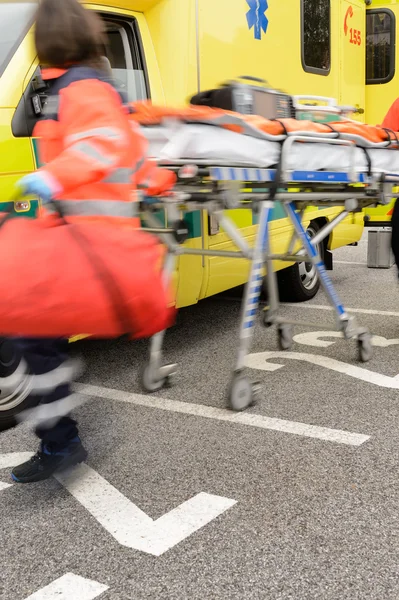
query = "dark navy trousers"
x=43 y=356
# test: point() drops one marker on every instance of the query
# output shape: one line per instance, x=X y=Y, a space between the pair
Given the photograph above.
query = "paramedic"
x=391 y=121
x=89 y=151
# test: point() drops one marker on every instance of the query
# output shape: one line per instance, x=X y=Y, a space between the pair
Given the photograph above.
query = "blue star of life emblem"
x=256 y=17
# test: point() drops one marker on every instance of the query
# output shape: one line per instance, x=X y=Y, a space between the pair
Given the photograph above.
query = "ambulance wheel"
x=149 y=382
x=242 y=393
x=13 y=402
x=365 y=348
x=301 y=281
x=285 y=337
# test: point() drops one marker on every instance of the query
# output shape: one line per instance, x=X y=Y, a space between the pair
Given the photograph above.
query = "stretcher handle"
x=330 y=102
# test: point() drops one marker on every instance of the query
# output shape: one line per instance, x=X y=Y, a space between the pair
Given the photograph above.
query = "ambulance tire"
x=300 y=282
x=11 y=405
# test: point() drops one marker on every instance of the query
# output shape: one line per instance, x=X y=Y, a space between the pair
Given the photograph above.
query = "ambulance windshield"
x=15 y=20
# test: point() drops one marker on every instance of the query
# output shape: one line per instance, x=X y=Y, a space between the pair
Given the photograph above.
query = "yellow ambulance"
x=167 y=50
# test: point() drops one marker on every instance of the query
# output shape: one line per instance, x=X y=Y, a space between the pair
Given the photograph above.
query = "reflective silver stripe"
x=65 y=373
x=104 y=132
x=119 y=176
x=93 y=153
x=96 y=208
x=47 y=415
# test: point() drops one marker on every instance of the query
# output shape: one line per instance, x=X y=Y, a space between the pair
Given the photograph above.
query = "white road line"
x=260 y=361
x=129 y=525
x=312 y=338
x=8 y=461
x=122 y=519
x=70 y=587
x=218 y=414
x=364 y=311
x=349 y=262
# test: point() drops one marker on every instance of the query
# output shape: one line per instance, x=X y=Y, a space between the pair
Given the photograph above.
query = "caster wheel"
x=265 y=319
x=285 y=337
x=149 y=383
x=242 y=393
x=365 y=348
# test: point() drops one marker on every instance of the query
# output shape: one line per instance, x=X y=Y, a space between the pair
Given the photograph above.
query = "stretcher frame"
x=223 y=187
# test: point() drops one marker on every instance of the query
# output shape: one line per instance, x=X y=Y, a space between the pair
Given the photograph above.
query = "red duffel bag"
x=59 y=279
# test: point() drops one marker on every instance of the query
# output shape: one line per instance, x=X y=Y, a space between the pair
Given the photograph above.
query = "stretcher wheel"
x=267 y=322
x=242 y=393
x=149 y=381
x=365 y=347
x=285 y=337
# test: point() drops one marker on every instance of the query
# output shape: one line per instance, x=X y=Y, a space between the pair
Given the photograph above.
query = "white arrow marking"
x=129 y=525
x=312 y=338
x=259 y=361
x=363 y=311
x=70 y=587
x=4 y=486
x=8 y=461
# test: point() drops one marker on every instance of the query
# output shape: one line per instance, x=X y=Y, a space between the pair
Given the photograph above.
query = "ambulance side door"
x=352 y=72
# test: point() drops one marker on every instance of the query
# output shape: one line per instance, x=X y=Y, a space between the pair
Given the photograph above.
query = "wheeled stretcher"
x=346 y=170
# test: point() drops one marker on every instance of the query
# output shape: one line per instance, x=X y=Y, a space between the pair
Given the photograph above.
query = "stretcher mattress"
x=173 y=142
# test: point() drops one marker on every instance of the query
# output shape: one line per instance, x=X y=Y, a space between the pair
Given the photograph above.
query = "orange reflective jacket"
x=89 y=147
x=92 y=275
x=391 y=120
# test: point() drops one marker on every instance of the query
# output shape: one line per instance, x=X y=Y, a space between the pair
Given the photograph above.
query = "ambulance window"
x=380 y=47
x=15 y=20
x=123 y=51
x=117 y=47
x=316 y=35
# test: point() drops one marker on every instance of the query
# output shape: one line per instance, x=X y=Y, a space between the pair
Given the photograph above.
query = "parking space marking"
x=122 y=519
x=4 y=486
x=350 y=262
x=8 y=461
x=312 y=338
x=363 y=311
x=70 y=587
x=249 y=419
x=130 y=526
x=260 y=361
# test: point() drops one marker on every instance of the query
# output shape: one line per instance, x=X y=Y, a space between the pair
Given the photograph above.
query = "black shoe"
x=46 y=462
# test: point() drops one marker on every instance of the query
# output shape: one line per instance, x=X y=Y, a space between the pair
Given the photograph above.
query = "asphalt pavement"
x=297 y=498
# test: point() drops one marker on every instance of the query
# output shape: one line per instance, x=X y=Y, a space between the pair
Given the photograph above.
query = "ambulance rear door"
x=352 y=73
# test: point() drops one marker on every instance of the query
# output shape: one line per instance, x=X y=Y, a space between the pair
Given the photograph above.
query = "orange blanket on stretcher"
x=146 y=114
x=57 y=279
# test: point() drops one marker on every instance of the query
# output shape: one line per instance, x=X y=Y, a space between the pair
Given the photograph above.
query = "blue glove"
x=39 y=184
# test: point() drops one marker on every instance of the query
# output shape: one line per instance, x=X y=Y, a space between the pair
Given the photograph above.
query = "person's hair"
x=68 y=34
